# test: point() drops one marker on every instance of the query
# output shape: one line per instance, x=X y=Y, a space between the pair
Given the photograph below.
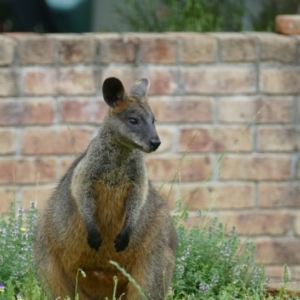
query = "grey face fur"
x=130 y=117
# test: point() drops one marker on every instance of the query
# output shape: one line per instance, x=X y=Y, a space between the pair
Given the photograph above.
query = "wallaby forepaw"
x=121 y=242
x=94 y=239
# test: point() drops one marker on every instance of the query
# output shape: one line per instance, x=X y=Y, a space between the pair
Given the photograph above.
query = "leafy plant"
x=198 y=15
x=16 y=238
x=209 y=263
x=181 y=15
x=265 y=19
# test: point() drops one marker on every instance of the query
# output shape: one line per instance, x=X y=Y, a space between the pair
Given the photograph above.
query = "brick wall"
x=210 y=93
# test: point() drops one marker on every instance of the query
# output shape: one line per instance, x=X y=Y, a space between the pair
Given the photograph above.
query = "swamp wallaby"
x=105 y=208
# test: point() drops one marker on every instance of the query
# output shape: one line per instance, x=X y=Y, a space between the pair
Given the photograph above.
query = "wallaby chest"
x=111 y=205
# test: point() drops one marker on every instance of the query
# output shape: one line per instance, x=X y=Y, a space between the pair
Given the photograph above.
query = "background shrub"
x=199 y=15
x=209 y=263
x=181 y=15
x=265 y=19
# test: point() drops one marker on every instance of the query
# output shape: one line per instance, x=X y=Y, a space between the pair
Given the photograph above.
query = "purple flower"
x=2 y=287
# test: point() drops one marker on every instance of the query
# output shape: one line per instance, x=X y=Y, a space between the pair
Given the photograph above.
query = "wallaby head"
x=130 y=117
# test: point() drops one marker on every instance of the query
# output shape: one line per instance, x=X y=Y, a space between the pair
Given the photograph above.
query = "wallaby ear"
x=113 y=91
x=140 y=87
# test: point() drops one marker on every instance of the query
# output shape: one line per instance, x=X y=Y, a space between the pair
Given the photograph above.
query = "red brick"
x=279 y=195
x=213 y=195
x=8 y=140
x=183 y=109
x=7 y=195
x=280 y=81
x=189 y=168
x=275 y=109
x=58 y=140
x=27 y=111
x=258 y=223
x=75 y=48
x=166 y=192
x=166 y=136
x=236 y=47
x=39 y=82
x=298 y=52
x=27 y=170
x=197 y=48
x=291 y=288
x=128 y=75
x=297 y=223
x=287 y=24
x=158 y=48
x=162 y=81
x=65 y=164
x=274 y=271
x=39 y=194
x=298 y=108
x=215 y=139
x=275 y=47
x=77 y=81
x=8 y=83
x=219 y=80
x=278 y=251
x=296 y=273
x=256 y=167
x=206 y=219
x=7 y=51
x=256 y=109
x=36 y=50
x=83 y=110
x=277 y=139
x=117 y=48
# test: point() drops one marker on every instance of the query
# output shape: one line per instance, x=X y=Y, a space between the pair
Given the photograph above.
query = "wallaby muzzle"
x=154 y=143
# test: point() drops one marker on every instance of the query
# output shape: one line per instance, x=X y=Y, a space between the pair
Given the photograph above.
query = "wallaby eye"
x=133 y=121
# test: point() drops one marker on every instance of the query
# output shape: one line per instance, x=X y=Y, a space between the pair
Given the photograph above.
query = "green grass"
x=209 y=263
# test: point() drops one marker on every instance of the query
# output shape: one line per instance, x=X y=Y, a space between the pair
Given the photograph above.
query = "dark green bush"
x=199 y=15
x=181 y=15
x=265 y=19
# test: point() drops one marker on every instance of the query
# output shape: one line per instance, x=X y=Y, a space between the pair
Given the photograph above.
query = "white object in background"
x=63 y=4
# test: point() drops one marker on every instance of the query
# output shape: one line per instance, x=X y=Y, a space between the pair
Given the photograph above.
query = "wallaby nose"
x=154 y=143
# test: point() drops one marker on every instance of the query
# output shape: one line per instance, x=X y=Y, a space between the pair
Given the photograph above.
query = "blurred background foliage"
x=142 y=15
x=182 y=15
x=265 y=20
x=201 y=15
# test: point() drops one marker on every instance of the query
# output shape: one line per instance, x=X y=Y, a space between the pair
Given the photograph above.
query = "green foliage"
x=210 y=264
x=16 y=238
x=181 y=15
x=30 y=289
x=265 y=20
x=198 y=15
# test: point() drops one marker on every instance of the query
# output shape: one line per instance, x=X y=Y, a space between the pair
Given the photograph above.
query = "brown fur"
x=104 y=198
